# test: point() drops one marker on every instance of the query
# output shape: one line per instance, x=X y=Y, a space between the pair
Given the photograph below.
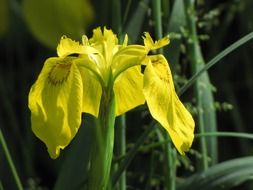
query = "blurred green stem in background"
x=10 y=161
x=205 y=101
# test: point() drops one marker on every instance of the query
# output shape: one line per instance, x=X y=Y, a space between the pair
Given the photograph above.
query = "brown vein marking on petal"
x=161 y=70
x=59 y=73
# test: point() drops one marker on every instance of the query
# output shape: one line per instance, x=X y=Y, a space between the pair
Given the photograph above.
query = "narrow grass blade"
x=10 y=162
x=225 y=134
x=216 y=59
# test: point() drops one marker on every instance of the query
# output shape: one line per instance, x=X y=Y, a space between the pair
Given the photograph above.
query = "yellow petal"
x=128 y=90
x=55 y=101
x=127 y=57
x=67 y=47
x=92 y=91
x=106 y=42
x=106 y=35
x=151 y=45
x=164 y=104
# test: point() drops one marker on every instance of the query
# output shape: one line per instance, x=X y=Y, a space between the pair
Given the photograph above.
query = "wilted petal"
x=165 y=105
x=128 y=90
x=55 y=101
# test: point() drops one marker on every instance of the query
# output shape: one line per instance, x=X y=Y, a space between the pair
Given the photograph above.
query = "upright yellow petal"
x=106 y=35
x=55 y=101
x=92 y=91
x=127 y=57
x=165 y=105
x=128 y=90
x=106 y=42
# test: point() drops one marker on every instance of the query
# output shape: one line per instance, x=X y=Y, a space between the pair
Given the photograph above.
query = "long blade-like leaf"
x=221 y=176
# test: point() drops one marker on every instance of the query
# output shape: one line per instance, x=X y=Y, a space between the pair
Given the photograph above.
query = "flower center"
x=59 y=73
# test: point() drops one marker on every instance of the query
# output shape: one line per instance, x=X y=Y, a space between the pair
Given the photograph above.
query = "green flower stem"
x=196 y=59
x=171 y=163
x=120 y=127
x=10 y=161
x=120 y=147
x=158 y=20
x=102 y=150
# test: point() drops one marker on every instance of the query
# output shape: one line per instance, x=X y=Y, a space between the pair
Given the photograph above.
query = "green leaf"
x=74 y=172
x=48 y=20
x=221 y=176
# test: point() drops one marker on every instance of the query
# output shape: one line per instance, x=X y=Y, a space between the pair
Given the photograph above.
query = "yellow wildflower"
x=73 y=83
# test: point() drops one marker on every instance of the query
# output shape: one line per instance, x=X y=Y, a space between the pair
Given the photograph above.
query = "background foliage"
x=225 y=104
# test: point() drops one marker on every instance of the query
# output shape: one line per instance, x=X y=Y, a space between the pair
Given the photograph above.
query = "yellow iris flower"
x=73 y=82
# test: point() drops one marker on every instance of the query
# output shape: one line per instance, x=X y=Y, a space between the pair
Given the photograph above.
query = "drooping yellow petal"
x=128 y=90
x=165 y=105
x=151 y=45
x=55 y=101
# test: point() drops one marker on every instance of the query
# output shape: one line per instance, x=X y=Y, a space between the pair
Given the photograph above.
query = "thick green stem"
x=120 y=147
x=102 y=150
x=157 y=16
x=10 y=162
x=171 y=163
